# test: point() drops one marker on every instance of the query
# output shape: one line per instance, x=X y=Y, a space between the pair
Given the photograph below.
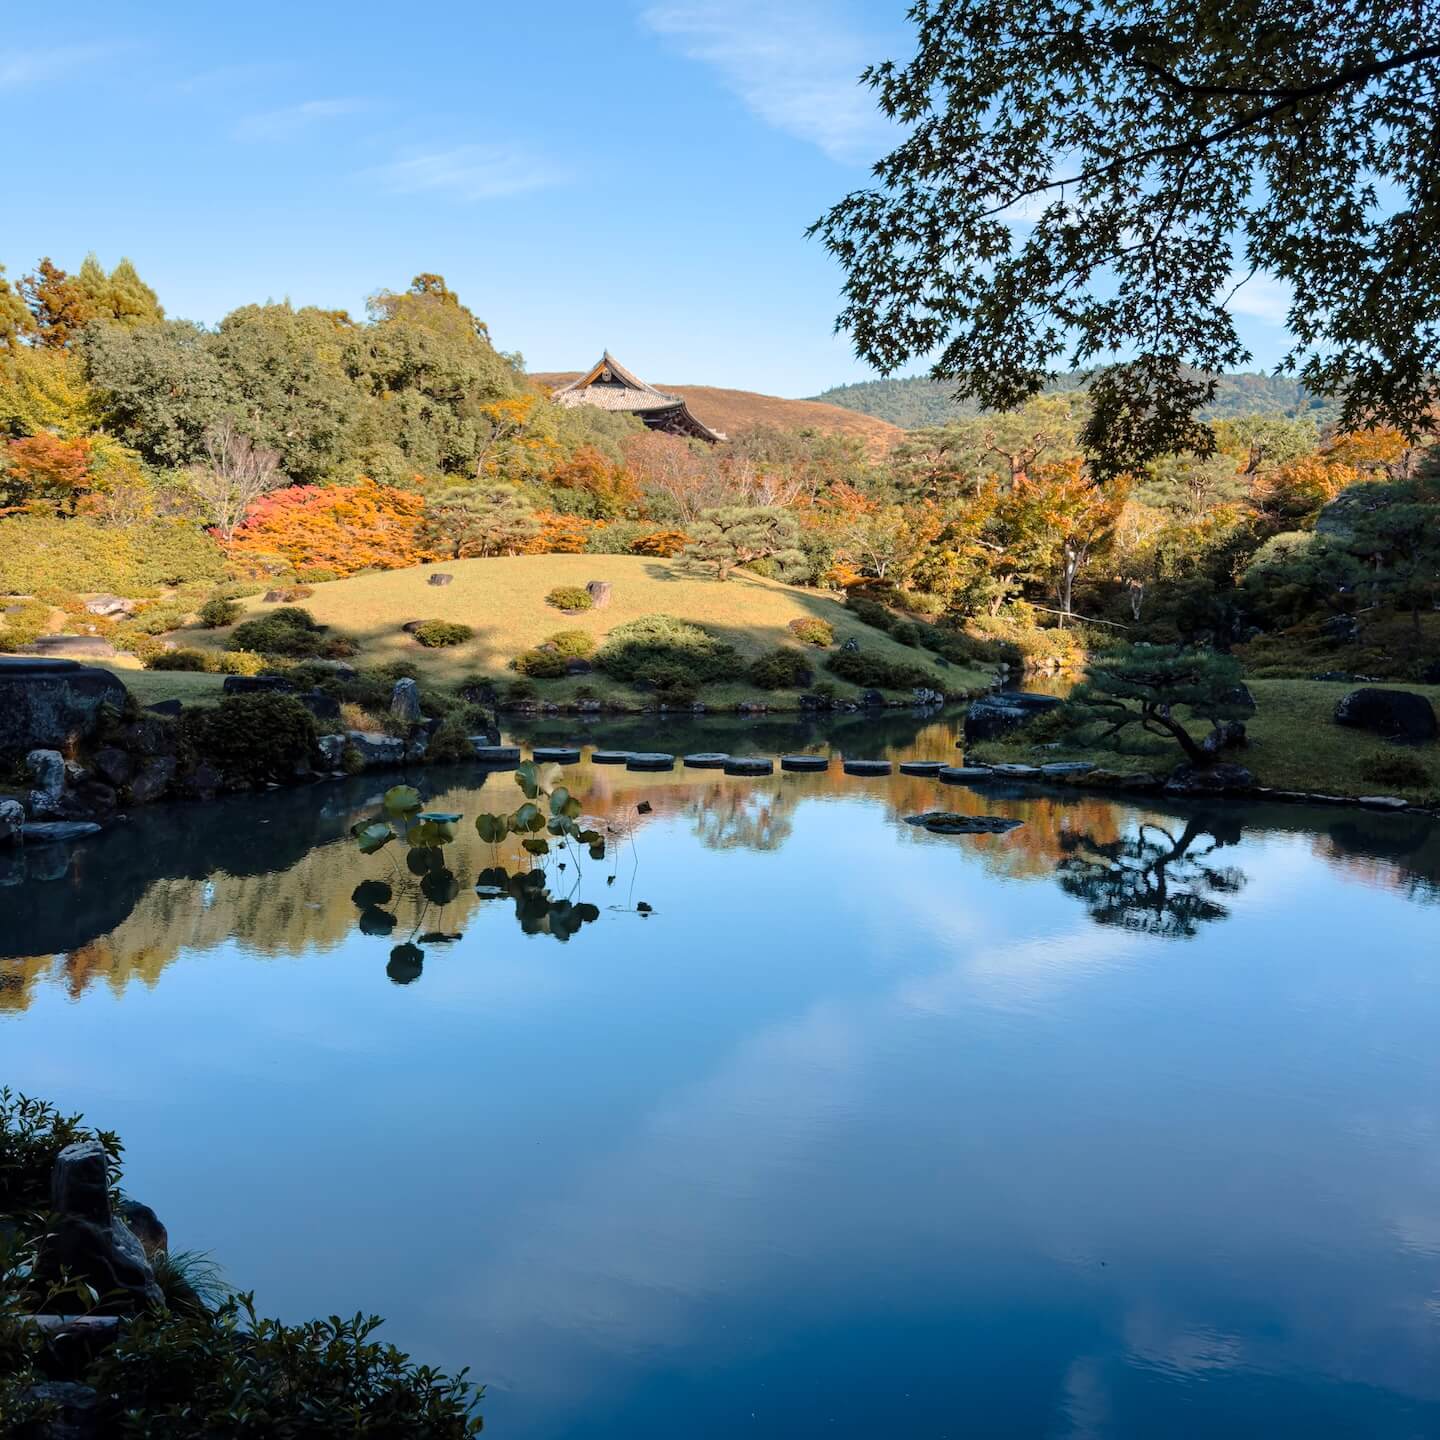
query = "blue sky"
x=636 y=175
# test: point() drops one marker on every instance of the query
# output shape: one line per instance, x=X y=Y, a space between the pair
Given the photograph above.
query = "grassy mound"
x=503 y=601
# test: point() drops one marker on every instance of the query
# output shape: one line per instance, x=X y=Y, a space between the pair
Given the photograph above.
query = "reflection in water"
x=907 y=1110
x=1154 y=879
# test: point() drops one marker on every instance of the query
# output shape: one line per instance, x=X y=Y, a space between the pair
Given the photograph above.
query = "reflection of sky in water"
x=869 y=1132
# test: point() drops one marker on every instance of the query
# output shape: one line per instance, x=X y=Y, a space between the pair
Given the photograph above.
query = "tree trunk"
x=599 y=594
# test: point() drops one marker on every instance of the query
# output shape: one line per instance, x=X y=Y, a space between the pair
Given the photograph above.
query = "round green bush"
x=286 y=631
x=264 y=736
x=191 y=660
x=813 y=631
x=441 y=634
x=238 y=662
x=572 y=644
x=782 y=669
x=872 y=672
x=656 y=649
x=569 y=597
x=541 y=664
x=219 y=611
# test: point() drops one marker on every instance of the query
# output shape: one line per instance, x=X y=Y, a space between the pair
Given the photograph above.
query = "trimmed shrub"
x=616 y=538
x=289 y=594
x=338 y=647
x=239 y=590
x=569 y=597
x=572 y=644
x=441 y=634
x=191 y=660
x=874 y=673
x=813 y=631
x=871 y=612
x=540 y=664
x=236 y=662
x=218 y=612
x=287 y=631
x=450 y=744
x=906 y=632
x=782 y=669
x=517 y=692
x=659 y=651
x=314 y=575
x=264 y=736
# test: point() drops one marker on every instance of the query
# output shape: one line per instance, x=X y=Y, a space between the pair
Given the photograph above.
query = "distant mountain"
x=921 y=401
x=731 y=411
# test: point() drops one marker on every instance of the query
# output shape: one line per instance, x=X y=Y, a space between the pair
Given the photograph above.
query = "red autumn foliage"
x=44 y=472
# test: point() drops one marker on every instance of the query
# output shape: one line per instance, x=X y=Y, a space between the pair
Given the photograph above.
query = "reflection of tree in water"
x=1155 y=880
x=731 y=817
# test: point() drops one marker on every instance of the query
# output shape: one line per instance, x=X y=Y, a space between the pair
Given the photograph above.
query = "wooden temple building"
x=611 y=386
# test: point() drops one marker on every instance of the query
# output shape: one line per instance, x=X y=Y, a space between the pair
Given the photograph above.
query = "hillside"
x=734 y=410
x=503 y=599
x=920 y=401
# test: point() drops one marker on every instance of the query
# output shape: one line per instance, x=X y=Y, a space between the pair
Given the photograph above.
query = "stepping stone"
x=555 y=754
x=497 y=754
x=1067 y=767
x=1016 y=772
x=706 y=760
x=965 y=774
x=609 y=757
x=805 y=763
x=946 y=822
x=749 y=765
x=920 y=767
x=650 y=760
x=867 y=767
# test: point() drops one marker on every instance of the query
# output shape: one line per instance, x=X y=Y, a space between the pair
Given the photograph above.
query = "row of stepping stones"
x=762 y=765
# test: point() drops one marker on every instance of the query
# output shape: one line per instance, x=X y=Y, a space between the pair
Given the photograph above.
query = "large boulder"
x=52 y=704
x=87 y=1240
x=994 y=715
x=405 y=702
x=60 y=647
x=110 y=605
x=1209 y=780
x=12 y=818
x=1393 y=714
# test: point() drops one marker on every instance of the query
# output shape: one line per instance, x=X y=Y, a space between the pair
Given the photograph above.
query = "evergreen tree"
x=743 y=534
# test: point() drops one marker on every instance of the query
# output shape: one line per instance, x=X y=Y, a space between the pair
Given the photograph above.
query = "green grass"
x=150 y=687
x=503 y=600
x=1295 y=744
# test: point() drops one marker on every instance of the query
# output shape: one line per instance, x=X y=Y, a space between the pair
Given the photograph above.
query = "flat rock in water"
x=965 y=774
x=609 y=757
x=556 y=754
x=946 y=822
x=497 y=754
x=1067 y=767
x=1384 y=802
x=922 y=767
x=650 y=760
x=805 y=763
x=749 y=765
x=57 y=832
x=707 y=760
x=1015 y=772
x=867 y=767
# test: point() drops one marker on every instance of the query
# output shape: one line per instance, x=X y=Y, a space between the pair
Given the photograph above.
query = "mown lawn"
x=150 y=687
x=504 y=601
x=1295 y=744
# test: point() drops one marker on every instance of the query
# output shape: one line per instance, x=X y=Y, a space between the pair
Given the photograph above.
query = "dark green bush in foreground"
x=441 y=634
x=264 y=736
x=286 y=631
x=661 y=652
x=782 y=669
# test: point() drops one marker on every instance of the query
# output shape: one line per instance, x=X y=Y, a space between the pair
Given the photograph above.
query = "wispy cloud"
x=1261 y=297
x=794 y=63
x=290 y=120
x=20 y=68
x=469 y=172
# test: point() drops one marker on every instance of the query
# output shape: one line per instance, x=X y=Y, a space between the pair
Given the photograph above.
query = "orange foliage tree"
x=661 y=543
x=44 y=472
x=559 y=534
x=608 y=489
x=344 y=528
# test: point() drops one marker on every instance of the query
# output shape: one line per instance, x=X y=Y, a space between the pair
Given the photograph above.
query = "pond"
x=787 y=1117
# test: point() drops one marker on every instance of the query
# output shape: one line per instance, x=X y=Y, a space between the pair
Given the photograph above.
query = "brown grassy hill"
x=734 y=410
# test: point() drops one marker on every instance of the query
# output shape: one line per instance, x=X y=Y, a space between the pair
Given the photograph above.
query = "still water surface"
x=1126 y=1123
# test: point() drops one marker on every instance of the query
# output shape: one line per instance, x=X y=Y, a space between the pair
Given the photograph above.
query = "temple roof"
x=610 y=386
